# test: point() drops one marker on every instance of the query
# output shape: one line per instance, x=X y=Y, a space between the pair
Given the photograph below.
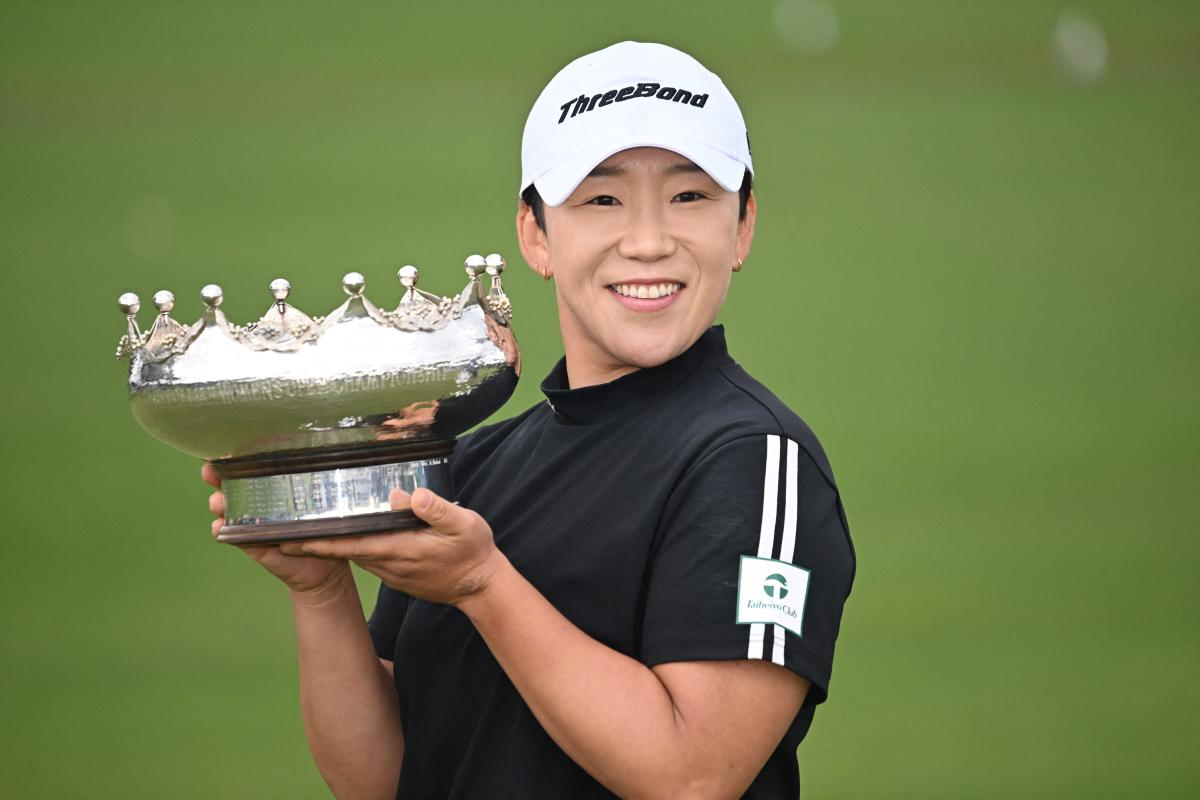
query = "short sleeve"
x=753 y=560
x=385 y=619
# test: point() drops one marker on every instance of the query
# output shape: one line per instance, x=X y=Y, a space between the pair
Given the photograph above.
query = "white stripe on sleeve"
x=766 y=534
x=787 y=547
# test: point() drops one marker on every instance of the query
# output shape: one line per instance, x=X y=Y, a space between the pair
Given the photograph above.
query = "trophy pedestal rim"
x=284 y=462
x=357 y=525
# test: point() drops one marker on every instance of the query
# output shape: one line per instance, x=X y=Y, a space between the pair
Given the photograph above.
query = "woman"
x=639 y=589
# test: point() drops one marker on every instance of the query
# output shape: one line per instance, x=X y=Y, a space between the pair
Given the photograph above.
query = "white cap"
x=631 y=94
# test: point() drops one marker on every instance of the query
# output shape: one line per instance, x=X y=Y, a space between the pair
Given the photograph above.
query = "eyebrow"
x=674 y=169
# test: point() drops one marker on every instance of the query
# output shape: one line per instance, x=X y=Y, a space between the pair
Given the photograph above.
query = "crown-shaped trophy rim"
x=284 y=328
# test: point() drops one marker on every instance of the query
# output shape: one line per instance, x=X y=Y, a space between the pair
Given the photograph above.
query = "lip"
x=646 y=304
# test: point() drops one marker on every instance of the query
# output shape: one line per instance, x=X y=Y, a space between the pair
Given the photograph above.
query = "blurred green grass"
x=976 y=280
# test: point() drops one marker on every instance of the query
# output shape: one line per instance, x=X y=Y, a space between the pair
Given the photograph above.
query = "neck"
x=585 y=369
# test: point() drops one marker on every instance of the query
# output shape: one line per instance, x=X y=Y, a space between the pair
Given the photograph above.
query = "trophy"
x=311 y=421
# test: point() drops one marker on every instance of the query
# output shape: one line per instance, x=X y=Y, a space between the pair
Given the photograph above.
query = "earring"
x=738 y=266
x=545 y=274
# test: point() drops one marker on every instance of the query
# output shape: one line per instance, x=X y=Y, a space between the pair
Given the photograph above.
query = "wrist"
x=487 y=584
x=334 y=589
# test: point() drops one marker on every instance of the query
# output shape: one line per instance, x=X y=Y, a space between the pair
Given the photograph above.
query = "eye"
x=690 y=197
x=602 y=200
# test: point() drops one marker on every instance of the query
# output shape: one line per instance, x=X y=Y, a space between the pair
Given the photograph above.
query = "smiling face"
x=641 y=253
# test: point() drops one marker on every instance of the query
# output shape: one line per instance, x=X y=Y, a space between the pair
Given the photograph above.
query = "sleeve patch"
x=771 y=592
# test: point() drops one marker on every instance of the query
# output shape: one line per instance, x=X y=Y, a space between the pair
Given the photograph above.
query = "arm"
x=686 y=729
x=680 y=729
x=351 y=713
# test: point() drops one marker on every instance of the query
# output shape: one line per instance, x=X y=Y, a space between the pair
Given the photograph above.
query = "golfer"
x=634 y=587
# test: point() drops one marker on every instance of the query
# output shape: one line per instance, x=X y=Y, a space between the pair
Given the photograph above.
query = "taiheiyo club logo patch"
x=771 y=592
x=669 y=94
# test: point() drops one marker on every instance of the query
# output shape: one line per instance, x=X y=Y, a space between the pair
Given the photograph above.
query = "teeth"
x=644 y=291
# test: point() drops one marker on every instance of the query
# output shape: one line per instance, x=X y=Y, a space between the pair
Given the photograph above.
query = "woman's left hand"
x=447 y=562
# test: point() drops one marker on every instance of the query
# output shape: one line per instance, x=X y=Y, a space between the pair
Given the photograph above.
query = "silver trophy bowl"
x=310 y=422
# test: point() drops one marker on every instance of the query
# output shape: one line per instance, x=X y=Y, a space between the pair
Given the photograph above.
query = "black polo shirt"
x=678 y=513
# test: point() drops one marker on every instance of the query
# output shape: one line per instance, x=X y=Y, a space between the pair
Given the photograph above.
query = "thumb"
x=439 y=512
x=399 y=499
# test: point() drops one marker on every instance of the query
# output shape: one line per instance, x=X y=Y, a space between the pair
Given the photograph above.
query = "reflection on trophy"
x=311 y=421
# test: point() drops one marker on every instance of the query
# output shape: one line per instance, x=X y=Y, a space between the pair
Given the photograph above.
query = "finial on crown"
x=353 y=283
x=494 y=264
x=129 y=303
x=212 y=295
x=497 y=300
x=287 y=328
x=280 y=289
x=475 y=265
x=408 y=276
x=164 y=301
x=166 y=337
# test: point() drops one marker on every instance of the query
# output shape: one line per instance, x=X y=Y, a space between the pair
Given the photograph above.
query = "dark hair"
x=531 y=198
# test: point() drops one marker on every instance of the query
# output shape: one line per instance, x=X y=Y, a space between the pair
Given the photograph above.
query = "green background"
x=975 y=276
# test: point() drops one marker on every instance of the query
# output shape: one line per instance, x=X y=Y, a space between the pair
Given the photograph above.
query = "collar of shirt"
x=607 y=400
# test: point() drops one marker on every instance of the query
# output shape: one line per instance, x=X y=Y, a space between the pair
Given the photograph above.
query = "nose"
x=647 y=237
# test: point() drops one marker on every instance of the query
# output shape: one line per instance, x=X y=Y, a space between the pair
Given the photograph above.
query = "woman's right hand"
x=304 y=575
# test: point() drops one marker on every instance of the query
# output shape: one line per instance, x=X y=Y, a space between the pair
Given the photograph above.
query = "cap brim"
x=557 y=184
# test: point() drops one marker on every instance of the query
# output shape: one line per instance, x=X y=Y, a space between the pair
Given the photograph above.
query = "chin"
x=650 y=350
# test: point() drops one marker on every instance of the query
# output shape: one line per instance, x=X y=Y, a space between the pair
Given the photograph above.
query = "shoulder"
x=730 y=407
x=475 y=447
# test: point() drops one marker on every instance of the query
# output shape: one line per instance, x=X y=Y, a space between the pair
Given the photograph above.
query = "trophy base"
x=318 y=494
x=362 y=524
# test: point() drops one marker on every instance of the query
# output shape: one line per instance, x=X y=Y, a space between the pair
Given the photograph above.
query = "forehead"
x=644 y=159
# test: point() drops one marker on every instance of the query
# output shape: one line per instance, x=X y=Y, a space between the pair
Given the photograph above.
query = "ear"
x=532 y=240
x=745 y=233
